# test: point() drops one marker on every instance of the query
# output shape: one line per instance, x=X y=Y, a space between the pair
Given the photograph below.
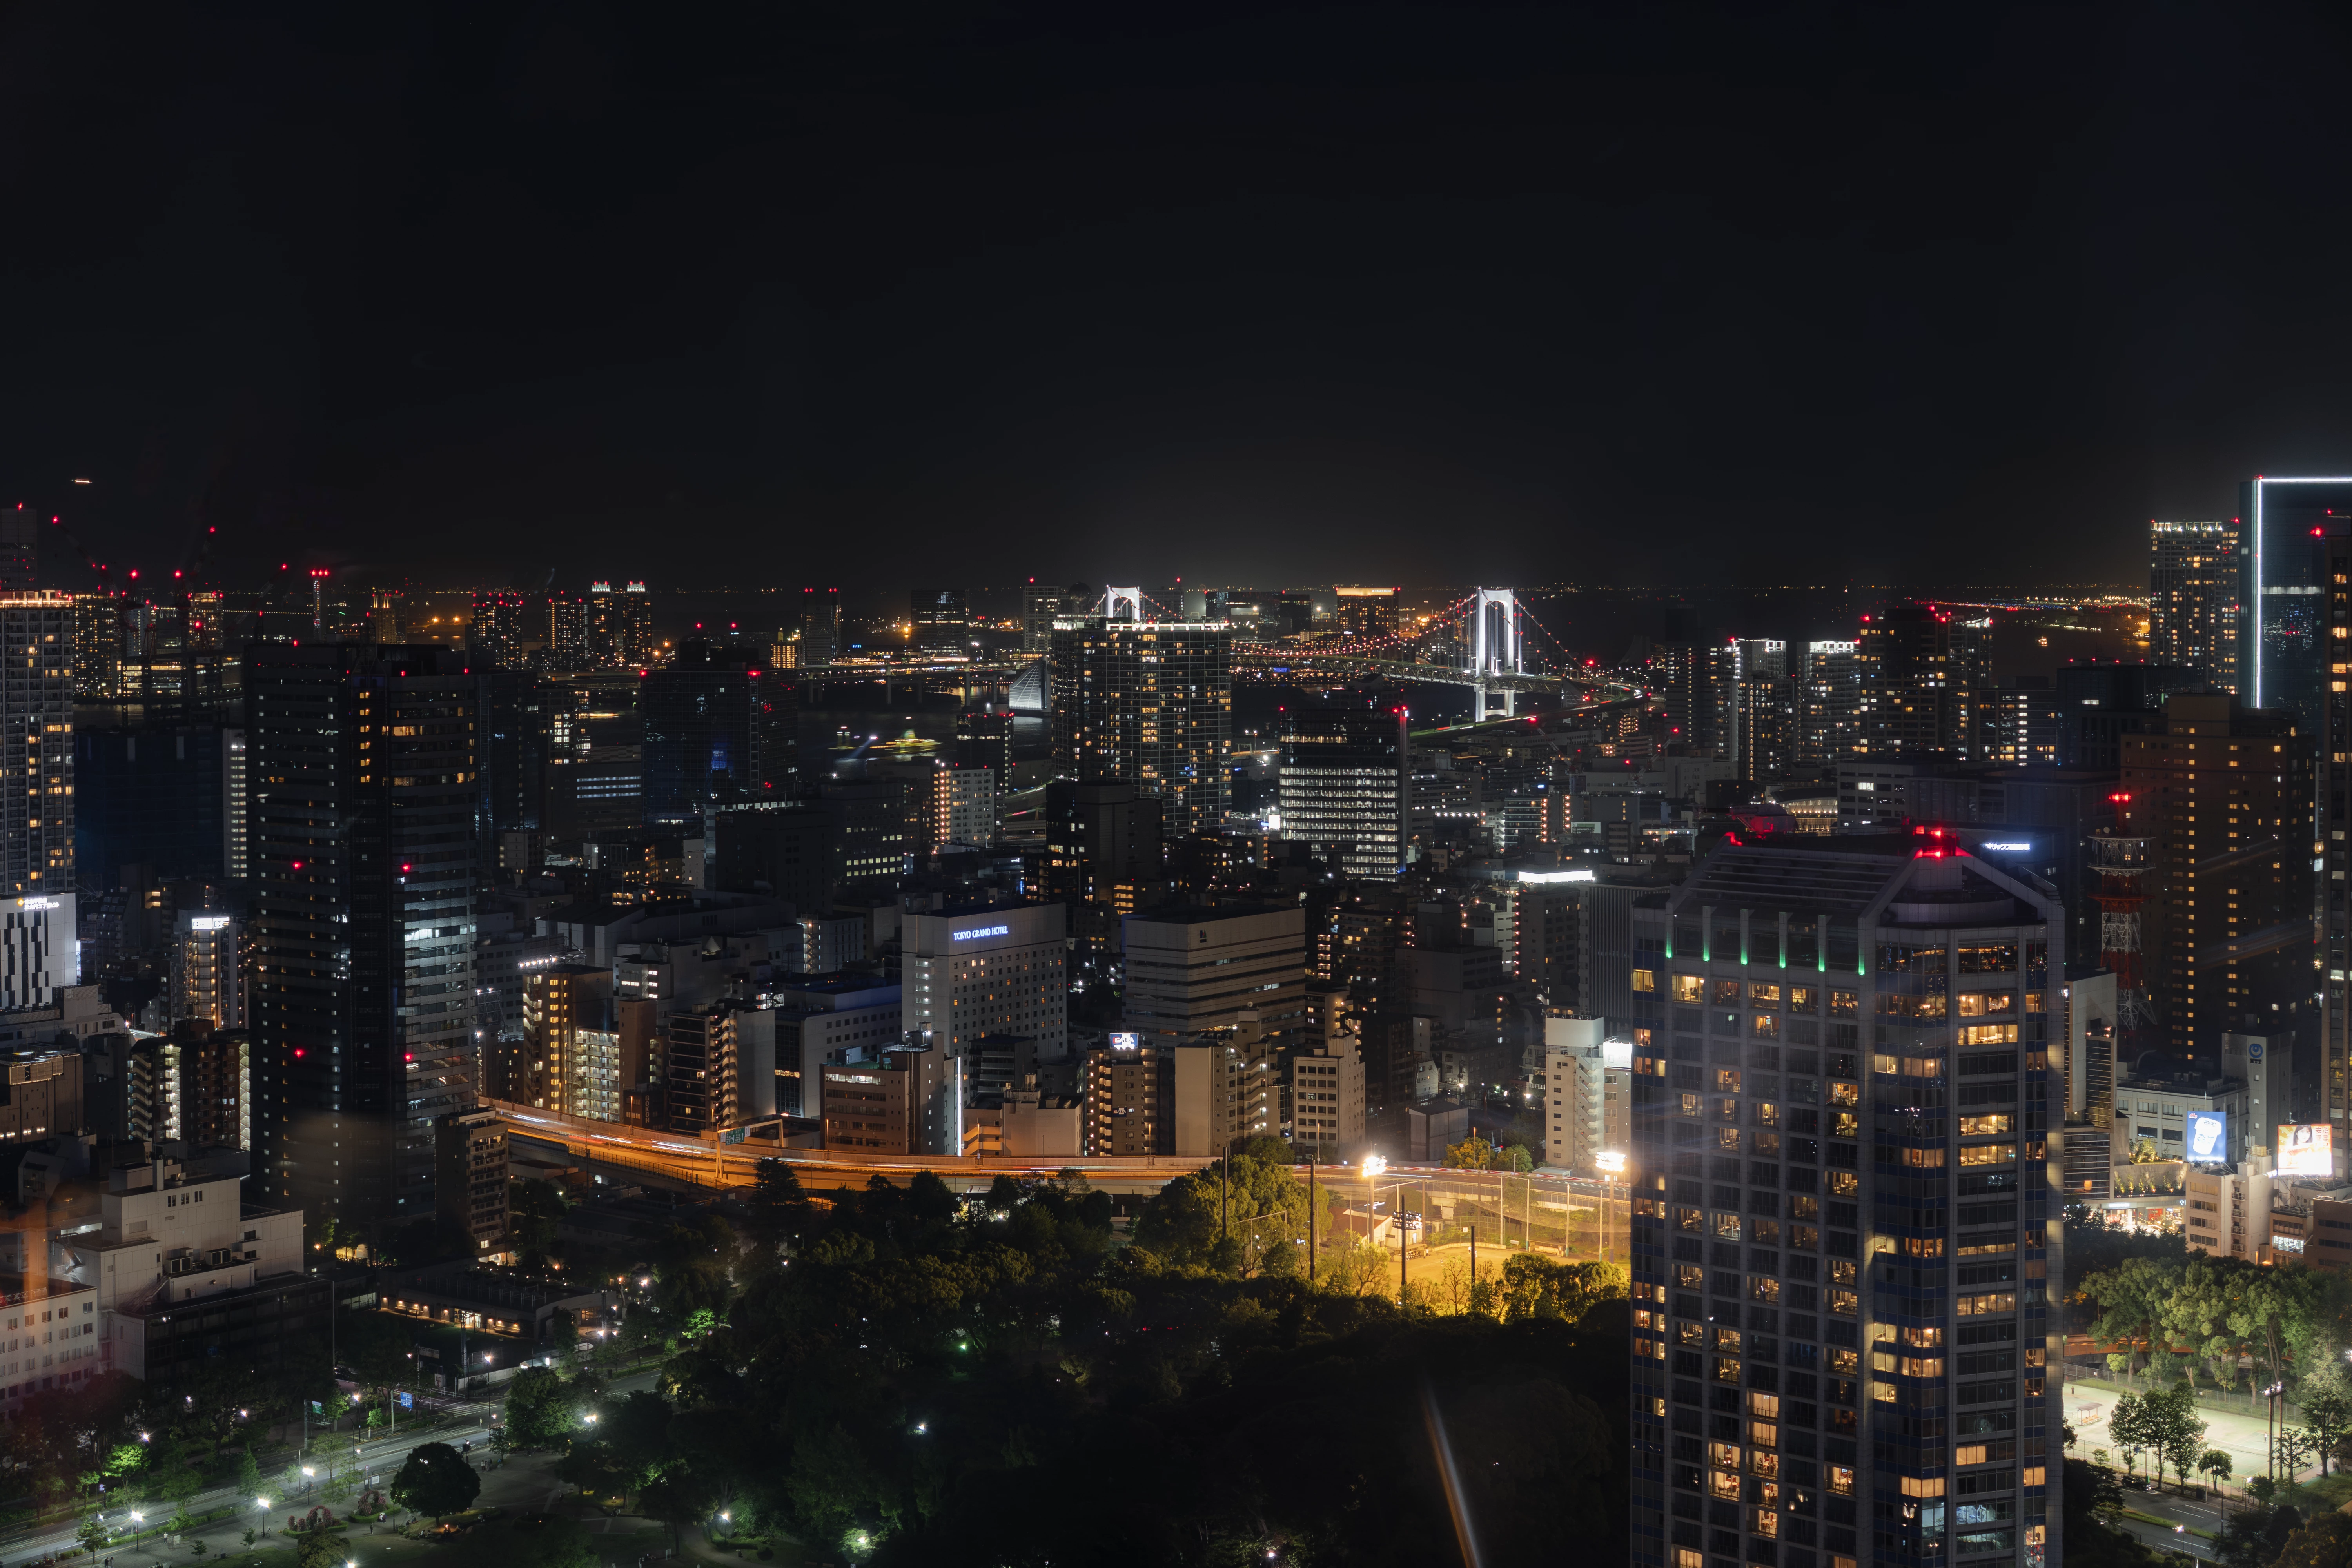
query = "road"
x=2206 y=1515
x=380 y=1460
x=699 y=1162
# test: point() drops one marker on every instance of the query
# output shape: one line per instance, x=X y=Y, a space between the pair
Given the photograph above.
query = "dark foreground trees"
x=906 y=1382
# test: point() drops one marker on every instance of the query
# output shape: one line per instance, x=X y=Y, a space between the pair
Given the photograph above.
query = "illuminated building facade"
x=501 y=624
x=2282 y=554
x=2222 y=795
x=941 y=618
x=1827 y=700
x=1148 y=702
x=1345 y=788
x=719 y=725
x=1368 y=614
x=39 y=947
x=1844 y=1244
x=207 y=982
x=366 y=868
x=2335 y=839
x=985 y=969
x=2194 y=578
x=620 y=625
x=1921 y=677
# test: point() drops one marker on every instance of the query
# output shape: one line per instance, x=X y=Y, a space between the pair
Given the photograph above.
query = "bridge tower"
x=1494 y=647
x=1131 y=597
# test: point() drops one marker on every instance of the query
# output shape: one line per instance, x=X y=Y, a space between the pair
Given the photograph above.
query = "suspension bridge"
x=1479 y=641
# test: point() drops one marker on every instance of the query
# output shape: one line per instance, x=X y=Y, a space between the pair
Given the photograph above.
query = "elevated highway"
x=702 y=1161
x=1550 y=1210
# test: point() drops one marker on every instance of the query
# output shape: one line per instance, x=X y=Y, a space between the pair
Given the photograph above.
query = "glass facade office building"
x=1345 y=789
x=2280 y=632
x=366 y=874
x=1843 y=1237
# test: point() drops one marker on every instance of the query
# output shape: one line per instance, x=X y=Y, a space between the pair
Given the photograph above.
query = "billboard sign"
x=1126 y=1040
x=2208 y=1137
x=2306 y=1149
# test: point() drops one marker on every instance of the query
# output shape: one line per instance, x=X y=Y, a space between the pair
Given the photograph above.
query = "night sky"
x=870 y=292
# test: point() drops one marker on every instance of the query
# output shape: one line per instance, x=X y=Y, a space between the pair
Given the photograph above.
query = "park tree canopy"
x=436 y=1480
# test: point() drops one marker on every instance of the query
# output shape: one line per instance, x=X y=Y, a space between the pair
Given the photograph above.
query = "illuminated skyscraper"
x=941 y=618
x=820 y=640
x=1828 y=696
x=1151 y=703
x=1368 y=614
x=500 y=625
x=721 y=725
x=2194 y=578
x=1759 y=706
x=567 y=635
x=1922 y=678
x=97 y=645
x=2223 y=797
x=1843 y=1243
x=365 y=866
x=38 y=936
x=2283 y=598
x=2334 y=837
x=620 y=626
x=1345 y=788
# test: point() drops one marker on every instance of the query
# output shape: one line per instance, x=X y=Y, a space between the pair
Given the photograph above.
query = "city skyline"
x=1496 y=784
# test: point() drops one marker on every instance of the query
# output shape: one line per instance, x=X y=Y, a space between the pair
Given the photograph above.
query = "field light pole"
x=1310 y=1218
x=1373 y=1165
x=2270 y=1426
